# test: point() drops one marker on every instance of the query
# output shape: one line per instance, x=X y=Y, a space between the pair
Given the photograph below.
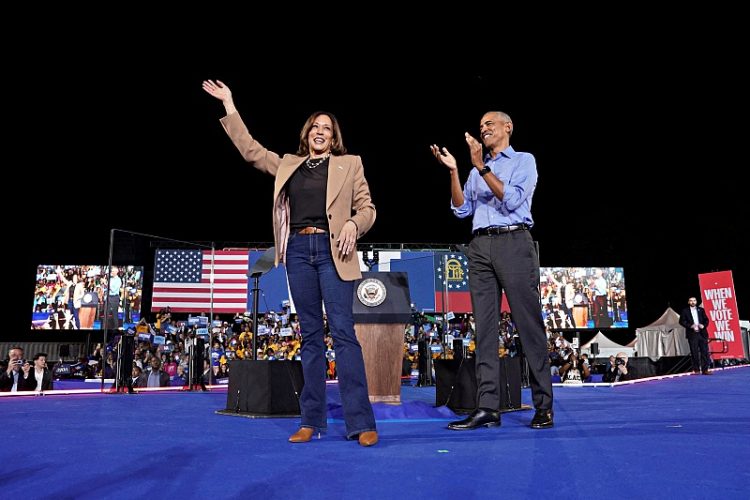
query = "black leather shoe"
x=542 y=419
x=478 y=418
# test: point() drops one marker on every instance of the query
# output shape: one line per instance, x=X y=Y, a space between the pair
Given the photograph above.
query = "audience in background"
x=12 y=370
x=619 y=369
x=574 y=371
x=38 y=377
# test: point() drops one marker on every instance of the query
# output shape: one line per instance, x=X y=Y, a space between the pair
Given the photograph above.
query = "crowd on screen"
x=573 y=296
x=63 y=295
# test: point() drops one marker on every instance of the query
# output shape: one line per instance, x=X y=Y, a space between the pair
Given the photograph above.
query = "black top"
x=307 y=195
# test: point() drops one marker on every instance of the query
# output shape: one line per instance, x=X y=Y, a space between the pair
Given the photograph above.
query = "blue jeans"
x=313 y=280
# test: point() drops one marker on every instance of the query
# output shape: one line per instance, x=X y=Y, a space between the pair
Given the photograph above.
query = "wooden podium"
x=382 y=308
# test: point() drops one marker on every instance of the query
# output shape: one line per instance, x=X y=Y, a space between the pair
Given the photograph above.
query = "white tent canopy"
x=607 y=347
x=663 y=337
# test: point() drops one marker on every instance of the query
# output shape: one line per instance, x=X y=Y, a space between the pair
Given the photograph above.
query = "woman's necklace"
x=316 y=162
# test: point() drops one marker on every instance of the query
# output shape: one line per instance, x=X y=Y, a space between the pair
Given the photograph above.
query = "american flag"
x=182 y=280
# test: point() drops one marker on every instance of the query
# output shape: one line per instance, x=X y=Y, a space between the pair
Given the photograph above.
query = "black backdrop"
x=630 y=173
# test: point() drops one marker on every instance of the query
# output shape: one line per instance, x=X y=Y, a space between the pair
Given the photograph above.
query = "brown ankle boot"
x=303 y=435
x=368 y=438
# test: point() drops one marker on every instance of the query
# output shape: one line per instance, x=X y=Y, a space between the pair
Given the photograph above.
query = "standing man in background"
x=113 y=289
x=695 y=321
x=599 y=291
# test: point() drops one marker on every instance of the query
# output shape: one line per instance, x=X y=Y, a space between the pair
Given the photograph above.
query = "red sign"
x=720 y=303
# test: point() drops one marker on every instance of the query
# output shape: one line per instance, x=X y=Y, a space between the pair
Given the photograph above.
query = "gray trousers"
x=508 y=262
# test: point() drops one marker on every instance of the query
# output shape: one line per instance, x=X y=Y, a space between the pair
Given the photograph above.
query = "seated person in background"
x=610 y=363
x=38 y=378
x=618 y=370
x=555 y=360
x=574 y=371
x=12 y=373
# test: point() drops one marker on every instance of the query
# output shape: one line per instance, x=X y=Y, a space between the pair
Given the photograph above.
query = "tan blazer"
x=347 y=194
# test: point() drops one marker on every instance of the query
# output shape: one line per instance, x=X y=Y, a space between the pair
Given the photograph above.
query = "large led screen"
x=583 y=297
x=74 y=297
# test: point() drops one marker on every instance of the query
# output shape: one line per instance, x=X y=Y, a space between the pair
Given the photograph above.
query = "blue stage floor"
x=680 y=438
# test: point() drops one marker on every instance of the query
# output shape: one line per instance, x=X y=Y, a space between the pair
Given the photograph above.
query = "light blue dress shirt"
x=518 y=172
x=115 y=283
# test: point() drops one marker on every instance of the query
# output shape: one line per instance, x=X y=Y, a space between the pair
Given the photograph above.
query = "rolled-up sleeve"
x=521 y=186
x=467 y=208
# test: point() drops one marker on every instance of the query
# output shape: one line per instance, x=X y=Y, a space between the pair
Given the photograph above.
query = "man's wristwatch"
x=486 y=170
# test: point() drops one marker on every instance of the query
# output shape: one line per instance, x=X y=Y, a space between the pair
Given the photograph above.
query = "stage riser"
x=461 y=376
x=264 y=387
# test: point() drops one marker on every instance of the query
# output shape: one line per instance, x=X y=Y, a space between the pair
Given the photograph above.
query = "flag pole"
x=445 y=304
x=211 y=310
x=106 y=309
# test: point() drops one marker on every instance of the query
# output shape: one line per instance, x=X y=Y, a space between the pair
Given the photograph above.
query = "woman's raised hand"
x=218 y=89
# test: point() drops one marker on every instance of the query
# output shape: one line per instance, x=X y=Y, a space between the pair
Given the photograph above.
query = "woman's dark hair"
x=337 y=142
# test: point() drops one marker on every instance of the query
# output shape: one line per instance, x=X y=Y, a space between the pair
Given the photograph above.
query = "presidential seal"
x=371 y=292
